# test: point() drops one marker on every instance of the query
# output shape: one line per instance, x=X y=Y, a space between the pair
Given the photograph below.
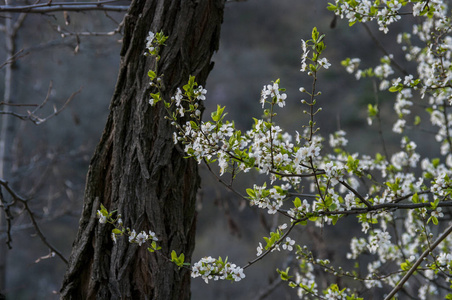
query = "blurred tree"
x=136 y=168
x=14 y=202
x=10 y=30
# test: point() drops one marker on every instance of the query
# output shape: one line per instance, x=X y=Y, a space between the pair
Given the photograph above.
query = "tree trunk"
x=137 y=170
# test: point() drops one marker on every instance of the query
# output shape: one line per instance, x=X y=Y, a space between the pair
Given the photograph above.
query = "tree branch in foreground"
x=418 y=262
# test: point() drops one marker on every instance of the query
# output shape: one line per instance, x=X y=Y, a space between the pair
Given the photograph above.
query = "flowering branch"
x=306 y=185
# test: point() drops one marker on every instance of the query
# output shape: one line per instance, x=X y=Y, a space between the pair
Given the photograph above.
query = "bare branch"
x=18 y=104
x=64 y=33
x=264 y=293
x=14 y=58
x=64 y=6
x=17 y=198
x=32 y=115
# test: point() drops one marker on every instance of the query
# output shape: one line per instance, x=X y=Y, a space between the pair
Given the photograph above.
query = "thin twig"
x=380 y=130
x=24 y=202
x=229 y=187
x=64 y=33
x=380 y=46
x=41 y=235
x=269 y=289
x=274 y=245
x=32 y=115
x=14 y=58
x=18 y=104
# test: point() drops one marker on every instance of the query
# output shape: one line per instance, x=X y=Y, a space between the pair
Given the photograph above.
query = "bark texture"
x=136 y=168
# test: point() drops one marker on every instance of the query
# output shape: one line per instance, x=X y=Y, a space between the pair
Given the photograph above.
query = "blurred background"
x=260 y=42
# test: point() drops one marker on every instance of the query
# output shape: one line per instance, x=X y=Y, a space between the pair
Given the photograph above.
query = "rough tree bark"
x=137 y=170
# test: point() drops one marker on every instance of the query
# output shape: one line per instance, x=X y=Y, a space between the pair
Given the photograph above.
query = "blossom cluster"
x=385 y=12
x=398 y=196
x=140 y=238
x=210 y=268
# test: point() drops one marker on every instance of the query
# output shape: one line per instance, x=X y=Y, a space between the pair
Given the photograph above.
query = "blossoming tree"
x=401 y=199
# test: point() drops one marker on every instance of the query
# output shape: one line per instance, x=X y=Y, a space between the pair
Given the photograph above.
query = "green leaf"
x=405 y=266
x=334 y=219
x=415 y=198
x=194 y=125
x=331 y=7
x=312 y=68
x=417 y=120
x=152 y=75
x=433 y=219
x=284 y=274
x=103 y=209
x=251 y=193
x=156 y=97
x=313 y=219
x=190 y=86
x=173 y=255
x=315 y=34
x=372 y=111
x=320 y=46
x=269 y=243
x=435 y=162
x=161 y=38
x=116 y=231
x=154 y=247
x=217 y=115
x=394 y=89
x=297 y=202
x=178 y=260
x=435 y=203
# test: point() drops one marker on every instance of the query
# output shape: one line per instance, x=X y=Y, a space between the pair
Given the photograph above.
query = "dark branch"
x=356 y=193
x=63 y=6
x=32 y=115
x=17 y=198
